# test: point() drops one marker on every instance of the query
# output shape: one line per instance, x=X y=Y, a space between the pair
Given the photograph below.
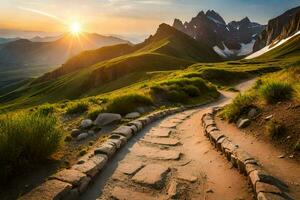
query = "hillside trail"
x=172 y=158
x=270 y=157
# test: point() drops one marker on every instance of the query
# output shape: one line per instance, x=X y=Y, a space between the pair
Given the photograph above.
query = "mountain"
x=90 y=72
x=228 y=40
x=45 y=39
x=26 y=52
x=279 y=28
x=288 y=47
x=7 y=40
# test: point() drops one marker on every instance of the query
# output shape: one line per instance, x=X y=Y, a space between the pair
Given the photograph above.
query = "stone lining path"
x=171 y=159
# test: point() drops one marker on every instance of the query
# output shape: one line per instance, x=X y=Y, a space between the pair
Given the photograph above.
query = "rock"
x=82 y=136
x=126 y=131
x=106 y=149
x=71 y=176
x=128 y=194
x=153 y=175
x=130 y=168
x=252 y=113
x=158 y=154
x=209 y=191
x=104 y=119
x=86 y=123
x=91 y=132
x=281 y=156
x=288 y=137
x=163 y=141
x=84 y=184
x=269 y=117
x=89 y=167
x=173 y=190
x=75 y=132
x=187 y=177
x=133 y=115
x=243 y=123
x=51 y=189
x=268 y=196
x=265 y=187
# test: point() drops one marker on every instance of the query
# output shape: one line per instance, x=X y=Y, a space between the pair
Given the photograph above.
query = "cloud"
x=40 y=13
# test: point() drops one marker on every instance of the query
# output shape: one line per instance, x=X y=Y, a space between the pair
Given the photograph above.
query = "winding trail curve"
x=169 y=159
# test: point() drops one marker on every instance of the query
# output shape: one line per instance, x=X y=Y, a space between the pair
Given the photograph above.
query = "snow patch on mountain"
x=270 y=47
x=245 y=49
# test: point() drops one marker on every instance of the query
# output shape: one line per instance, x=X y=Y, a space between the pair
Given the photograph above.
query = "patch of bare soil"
x=286 y=114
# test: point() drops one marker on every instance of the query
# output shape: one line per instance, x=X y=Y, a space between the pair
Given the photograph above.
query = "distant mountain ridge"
x=26 y=52
x=228 y=40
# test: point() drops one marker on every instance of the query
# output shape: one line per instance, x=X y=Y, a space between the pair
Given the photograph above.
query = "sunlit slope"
x=290 y=48
x=168 y=49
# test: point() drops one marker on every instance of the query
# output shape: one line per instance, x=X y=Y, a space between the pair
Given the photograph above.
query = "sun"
x=75 y=28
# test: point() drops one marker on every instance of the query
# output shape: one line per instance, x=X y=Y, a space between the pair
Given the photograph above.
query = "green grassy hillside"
x=88 y=72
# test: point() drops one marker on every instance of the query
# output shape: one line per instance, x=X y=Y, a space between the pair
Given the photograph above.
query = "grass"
x=181 y=90
x=275 y=129
x=275 y=91
x=127 y=103
x=26 y=138
x=271 y=88
x=46 y=109
x=77 y=108
x=240 y=105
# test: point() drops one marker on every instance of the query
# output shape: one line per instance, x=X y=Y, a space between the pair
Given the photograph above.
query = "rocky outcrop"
x=279 y=28
x=211 y=29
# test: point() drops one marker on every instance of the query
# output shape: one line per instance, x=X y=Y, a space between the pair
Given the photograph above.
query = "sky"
x=127 y=17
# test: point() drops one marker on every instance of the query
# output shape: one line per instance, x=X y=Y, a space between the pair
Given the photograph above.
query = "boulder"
x=82 y=136
x=75 y=132
x=104 y=119
x=126 y=131
x=252 y=113
x=133 y=115
x=106 y=149
x=243 y=123
x=86 y=123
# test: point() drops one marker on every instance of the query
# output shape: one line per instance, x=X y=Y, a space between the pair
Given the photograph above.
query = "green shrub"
x=46 y=109
x=26 y=138
x=274 y=92
x=93 y=114
x=275 y=129
x=191 y=90
x=239 y=105
x=180 y=90
x=77 y=108
x=127 y=103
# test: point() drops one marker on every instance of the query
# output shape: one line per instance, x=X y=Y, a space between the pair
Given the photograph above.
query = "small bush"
x=179 y=90
x=127 y=103
x=191 y=90
x=26 y=138
x=274 y=129
x=94 y=113
x=239 y=105
x=274 y=92
x=77 y=108
x=46 y=109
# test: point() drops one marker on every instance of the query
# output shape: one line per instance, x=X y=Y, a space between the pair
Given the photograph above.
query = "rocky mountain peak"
x=211 y=14
x=245 y=20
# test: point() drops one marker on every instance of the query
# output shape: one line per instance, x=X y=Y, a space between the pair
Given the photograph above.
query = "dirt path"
x=172 y=158
x=285 y=169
